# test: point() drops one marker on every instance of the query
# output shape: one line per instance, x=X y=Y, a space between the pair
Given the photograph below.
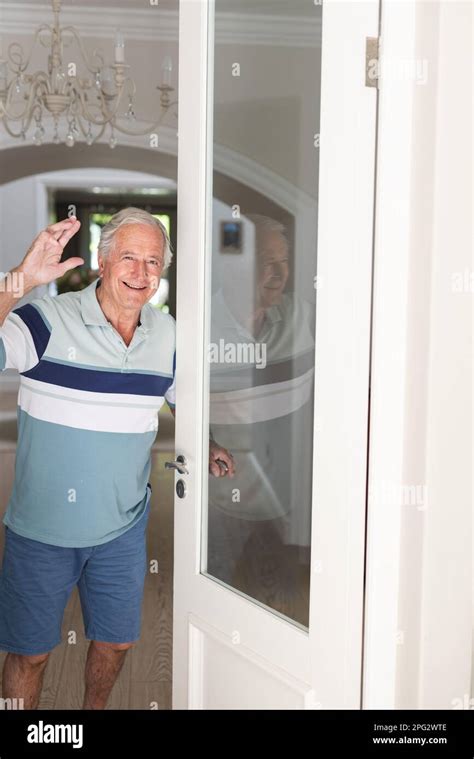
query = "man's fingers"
x=69 y=232
x=57 y=229
x=49 y=244
x=215 y=469
x=226 y=457
x=71 y=263
x=224 y=461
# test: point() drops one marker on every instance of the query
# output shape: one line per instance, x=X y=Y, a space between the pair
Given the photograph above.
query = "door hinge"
x=372 y=45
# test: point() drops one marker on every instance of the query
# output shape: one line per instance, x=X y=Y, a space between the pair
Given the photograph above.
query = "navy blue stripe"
x=174 y=363
x=98 y=381
x=38 y=329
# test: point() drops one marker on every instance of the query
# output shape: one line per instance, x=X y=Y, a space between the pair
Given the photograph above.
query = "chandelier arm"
x=118 y=101
x=36 y=107
x=26 y=124
x=81 y=127
x=134 y=86
x=85 y=57
x=19 y=68
x=39 y=79
x=141 y=132
x=87 y=115
x=9 y=131
x=111 y=115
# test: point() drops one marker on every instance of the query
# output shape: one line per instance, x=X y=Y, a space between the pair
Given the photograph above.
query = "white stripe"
x=90 y=416
x=261 y=403
x=19 y=346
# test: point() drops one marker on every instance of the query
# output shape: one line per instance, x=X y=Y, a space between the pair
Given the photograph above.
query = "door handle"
x=179 y=465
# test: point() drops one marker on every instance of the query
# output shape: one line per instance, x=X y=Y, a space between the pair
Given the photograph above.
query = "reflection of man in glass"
x=261 y=381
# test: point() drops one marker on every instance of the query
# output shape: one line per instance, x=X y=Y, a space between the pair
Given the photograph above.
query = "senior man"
x=96 y=366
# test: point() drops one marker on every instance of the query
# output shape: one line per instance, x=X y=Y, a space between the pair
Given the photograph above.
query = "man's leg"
x=111 y=592
x=103 y=665
x=23 y=678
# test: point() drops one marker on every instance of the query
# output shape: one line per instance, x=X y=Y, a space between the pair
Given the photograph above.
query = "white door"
x=274 y=238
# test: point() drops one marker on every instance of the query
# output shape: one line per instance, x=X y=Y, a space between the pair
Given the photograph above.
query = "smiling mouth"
x=134 y=287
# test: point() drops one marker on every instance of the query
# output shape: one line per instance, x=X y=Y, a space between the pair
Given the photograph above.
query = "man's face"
x=131 y=272
x=273 y=268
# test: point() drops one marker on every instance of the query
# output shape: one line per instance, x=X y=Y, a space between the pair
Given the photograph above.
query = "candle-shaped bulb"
x=119 y=47
x=166 y=69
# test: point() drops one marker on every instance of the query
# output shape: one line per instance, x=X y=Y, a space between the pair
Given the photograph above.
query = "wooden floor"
x=145 y=680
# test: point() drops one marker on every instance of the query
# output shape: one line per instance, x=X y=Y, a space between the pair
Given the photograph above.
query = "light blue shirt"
x=87 y=416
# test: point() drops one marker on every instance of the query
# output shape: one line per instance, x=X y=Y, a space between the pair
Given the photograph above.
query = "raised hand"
x=42 y=262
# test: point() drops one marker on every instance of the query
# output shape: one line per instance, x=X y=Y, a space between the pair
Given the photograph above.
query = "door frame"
x=389 y=360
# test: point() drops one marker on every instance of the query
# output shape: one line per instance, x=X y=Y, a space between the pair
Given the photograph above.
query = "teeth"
x=134 y=287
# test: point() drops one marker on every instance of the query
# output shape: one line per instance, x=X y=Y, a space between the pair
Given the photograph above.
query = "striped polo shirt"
x=87 y=416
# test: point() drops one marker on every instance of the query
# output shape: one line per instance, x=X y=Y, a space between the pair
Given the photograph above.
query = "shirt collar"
x=93 y=315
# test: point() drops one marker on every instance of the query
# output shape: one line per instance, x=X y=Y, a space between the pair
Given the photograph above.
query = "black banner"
x=325 y=733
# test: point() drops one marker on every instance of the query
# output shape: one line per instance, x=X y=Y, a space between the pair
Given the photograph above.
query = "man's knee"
x=31 y=661
x=113 y=646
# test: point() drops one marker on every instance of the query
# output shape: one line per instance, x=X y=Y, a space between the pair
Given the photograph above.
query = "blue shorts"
x=36 y=581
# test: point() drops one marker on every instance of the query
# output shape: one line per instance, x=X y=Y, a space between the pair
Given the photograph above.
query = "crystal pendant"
x=130 y=115
x=38 y=135
x=70 y=141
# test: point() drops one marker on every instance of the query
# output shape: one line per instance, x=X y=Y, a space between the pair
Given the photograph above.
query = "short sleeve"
x=24 y=336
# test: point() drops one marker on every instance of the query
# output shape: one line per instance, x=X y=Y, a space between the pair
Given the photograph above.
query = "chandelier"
x=88 y=106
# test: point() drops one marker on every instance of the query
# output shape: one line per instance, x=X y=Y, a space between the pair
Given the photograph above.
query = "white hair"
x=267 y=224
x=133 y=216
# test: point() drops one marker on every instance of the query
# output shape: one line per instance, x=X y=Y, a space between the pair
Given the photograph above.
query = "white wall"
x=447 y=544
x=21 y=218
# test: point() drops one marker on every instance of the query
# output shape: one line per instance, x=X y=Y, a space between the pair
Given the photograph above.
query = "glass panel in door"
x=261 y=299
